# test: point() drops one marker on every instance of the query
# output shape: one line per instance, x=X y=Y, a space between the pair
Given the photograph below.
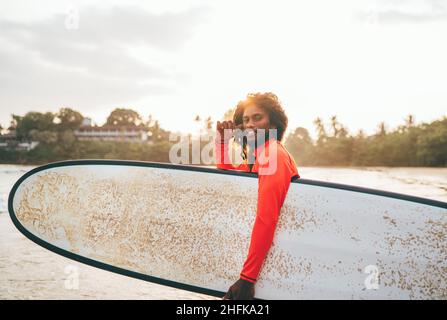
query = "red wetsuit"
x=275 y=171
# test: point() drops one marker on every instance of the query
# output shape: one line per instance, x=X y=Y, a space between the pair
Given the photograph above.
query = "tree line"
x=55 y=133
x=407 y=145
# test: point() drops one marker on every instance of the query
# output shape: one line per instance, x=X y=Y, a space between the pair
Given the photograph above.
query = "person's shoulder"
x=276 y=160
x=274 y=151
x=283 y=154
x=280 y=149
x=280 y=146
x=273 y=147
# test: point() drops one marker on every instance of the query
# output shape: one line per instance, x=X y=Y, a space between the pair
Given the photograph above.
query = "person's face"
x=255 y=118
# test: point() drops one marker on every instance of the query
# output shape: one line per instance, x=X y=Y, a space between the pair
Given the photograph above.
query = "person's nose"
x=249 y=125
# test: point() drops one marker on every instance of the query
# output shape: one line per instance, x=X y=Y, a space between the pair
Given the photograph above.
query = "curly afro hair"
x=270 y=103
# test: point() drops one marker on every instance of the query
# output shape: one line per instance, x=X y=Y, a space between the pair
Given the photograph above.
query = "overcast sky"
x=365 y=61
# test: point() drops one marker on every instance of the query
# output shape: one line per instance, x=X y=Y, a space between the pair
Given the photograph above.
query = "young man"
x=264 y=154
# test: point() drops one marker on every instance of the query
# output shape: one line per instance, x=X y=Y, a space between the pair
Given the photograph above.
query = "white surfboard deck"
x=190 y=228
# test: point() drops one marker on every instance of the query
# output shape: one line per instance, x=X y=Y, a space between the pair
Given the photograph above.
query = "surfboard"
x=189 y=227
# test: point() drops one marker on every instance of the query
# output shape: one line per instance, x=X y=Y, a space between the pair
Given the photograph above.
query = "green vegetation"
x=408 y=145
x=56 y=136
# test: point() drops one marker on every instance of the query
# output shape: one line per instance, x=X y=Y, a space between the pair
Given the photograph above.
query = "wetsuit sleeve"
x=272 y=191
x=223 y=159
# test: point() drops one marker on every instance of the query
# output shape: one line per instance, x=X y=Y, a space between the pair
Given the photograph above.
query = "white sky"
x=365 y=61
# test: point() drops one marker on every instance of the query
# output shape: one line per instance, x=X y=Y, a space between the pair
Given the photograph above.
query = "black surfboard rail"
x=161 y=281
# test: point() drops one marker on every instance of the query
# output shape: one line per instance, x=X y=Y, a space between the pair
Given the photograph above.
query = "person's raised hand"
x=227 y=127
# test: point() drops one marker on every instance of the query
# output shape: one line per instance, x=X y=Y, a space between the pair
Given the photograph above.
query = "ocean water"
x=28 y=271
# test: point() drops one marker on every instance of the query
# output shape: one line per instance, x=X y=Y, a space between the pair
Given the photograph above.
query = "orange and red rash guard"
x=272 y=190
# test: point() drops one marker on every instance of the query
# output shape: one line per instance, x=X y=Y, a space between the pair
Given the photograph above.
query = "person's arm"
x=222 y=146
x=272 y=192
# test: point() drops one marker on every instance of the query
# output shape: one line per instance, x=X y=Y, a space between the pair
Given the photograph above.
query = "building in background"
x=131 y=133
x=9 y=141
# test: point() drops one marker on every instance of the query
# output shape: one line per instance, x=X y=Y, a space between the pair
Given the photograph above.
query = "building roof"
x=112 y=128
